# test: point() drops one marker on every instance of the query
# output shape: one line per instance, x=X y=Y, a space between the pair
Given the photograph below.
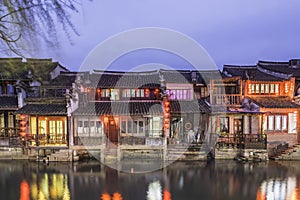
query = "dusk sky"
x=232 y=31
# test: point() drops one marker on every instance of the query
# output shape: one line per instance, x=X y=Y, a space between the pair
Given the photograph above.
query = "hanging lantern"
x=23 y=124
x=166 y=106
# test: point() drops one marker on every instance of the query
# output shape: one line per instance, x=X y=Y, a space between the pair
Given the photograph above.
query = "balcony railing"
x=226 y=99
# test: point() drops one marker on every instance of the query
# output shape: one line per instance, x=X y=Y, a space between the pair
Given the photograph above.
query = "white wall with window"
x=155 y=127
x=132 y=127
x=180 y=91
x=127 y=93
x=220 y=125
x=286 y=123
x=264 y=88
x=89 y=127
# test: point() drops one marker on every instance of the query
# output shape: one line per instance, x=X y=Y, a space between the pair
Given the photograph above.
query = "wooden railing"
x=246 y=141
x=89 y=141
x=226 y=99
x=10 y=137
x=9 y=132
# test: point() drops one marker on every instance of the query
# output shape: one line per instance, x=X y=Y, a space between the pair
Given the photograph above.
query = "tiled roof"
x=43 y=109
x=121 y=108
x=280 y=67
x=254 y=73
x=64 y=79
x=125 y=80
x=190 y=76
x=8 y=102
x=275 y=102
x=174 y=76
x=189 y=107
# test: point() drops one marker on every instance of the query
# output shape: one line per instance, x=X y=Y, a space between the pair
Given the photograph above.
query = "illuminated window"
x=256 y=88
x=292 y=122
x=286 y=87
x=284 y=122
x=271 y=123
x=134 y=93
x=277 y=122
x=272 y=88
x=11 y=120
x=266 y=88
x=252 y=88
x=262 y=88
x=276 y=88
x=178 y=94
x=105 y=93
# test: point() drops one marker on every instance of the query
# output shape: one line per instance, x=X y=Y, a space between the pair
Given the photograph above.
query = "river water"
x=180 y=180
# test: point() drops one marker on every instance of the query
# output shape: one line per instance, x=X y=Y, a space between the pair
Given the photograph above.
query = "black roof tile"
x=254 y=73
x=8 y=102
x=43 y=109
x=121 y=108
x=275 y=102
x=125 y=80
x=188 y=107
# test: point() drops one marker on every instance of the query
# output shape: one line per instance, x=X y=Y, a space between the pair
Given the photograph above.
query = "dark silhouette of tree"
x=26 y=23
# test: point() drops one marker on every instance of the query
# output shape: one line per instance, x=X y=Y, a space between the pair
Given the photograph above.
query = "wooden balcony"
x=226 y=99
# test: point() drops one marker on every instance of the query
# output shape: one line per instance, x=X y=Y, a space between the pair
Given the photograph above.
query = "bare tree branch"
x=24 y=21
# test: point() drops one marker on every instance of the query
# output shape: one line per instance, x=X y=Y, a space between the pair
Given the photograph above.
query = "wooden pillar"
x=231 y=124
x=37 y=142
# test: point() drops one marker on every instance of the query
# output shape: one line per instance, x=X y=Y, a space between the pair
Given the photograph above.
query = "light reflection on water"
x=281 y=189
x=180 y=180
x=47 y=186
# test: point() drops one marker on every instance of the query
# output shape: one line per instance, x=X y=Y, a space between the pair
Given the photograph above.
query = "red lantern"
x=23 y=124
x=166 y=104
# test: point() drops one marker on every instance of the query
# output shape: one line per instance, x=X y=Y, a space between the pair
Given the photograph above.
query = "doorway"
x=112 y=131
x=238 y=127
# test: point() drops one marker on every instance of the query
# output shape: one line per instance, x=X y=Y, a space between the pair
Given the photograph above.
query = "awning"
x=188 y=107
x=8 y=103
x=43 y=109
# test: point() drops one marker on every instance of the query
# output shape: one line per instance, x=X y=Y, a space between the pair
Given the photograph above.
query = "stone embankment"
x=194 y=152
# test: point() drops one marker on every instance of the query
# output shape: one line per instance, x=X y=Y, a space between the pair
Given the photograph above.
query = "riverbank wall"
x=167 y=153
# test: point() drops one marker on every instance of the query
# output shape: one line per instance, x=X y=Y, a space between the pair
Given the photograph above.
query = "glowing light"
x=24 y=191
x=167 y=195
x=105 y=120
x=105 y=196
x=117 y=196
x=23 y=134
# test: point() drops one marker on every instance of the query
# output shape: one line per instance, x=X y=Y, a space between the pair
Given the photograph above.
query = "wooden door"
x=238 y=127
x=113 y=131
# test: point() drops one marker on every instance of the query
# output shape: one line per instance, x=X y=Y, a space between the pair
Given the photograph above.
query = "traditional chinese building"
x=43 y=115
x=272 y=93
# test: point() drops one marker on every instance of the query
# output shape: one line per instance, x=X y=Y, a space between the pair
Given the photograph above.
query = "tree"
x=24 y=23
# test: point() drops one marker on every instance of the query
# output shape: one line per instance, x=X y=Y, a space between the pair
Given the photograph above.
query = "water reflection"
x=285 y=189
x=180 y=180
x=45 y=186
